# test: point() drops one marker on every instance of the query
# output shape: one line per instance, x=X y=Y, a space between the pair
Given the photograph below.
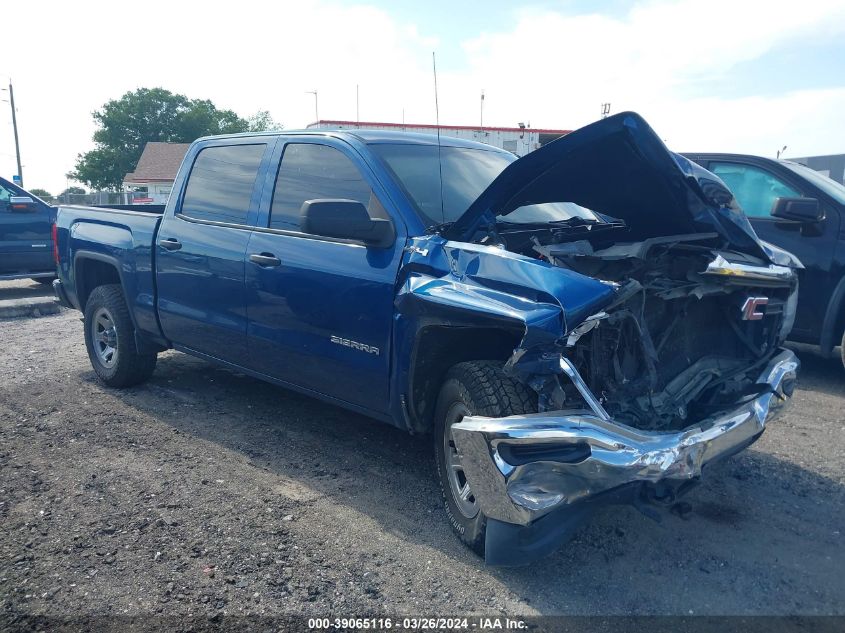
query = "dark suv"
x=801 y=211
x=26 y=240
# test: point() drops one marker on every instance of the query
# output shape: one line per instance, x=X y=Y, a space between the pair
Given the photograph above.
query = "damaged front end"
x=652 y=329
x=675 y=372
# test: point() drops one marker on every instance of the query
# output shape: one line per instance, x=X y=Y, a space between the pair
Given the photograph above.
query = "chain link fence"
x=95 y=197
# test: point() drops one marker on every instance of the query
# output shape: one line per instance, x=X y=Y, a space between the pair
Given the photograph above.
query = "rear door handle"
x=265 y=260
x=170 y=244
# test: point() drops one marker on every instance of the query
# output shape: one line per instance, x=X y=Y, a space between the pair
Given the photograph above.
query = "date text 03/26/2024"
x=418 y=624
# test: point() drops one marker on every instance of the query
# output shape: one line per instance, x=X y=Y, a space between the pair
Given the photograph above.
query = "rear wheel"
x=110 y=340
x=471 y=388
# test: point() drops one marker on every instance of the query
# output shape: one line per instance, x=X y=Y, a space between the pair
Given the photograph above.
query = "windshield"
x=829 y=186
x=466 y=173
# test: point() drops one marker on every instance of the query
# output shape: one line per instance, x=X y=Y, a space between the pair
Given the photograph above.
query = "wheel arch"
x=94 y=269
x=834 y=319
x=91 y=270
x=440 y=346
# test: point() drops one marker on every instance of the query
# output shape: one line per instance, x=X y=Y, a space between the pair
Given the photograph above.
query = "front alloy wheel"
x=458 y=484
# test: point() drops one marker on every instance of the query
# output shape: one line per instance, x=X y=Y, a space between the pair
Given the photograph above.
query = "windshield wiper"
x=438 y=228
x=569 y=223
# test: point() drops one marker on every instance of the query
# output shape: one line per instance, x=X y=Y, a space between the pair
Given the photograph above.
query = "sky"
x=712 y=75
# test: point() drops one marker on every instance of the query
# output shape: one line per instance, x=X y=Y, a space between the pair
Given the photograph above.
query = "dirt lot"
x=206 y=492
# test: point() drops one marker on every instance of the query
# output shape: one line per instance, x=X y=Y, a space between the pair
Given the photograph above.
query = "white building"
x=518 y=140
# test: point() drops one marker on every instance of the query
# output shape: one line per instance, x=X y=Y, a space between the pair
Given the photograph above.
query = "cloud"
x=562 y=67
x=552 y=68
x=249 y=57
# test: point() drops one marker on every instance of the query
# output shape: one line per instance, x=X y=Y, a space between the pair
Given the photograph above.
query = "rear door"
x=25 y=242
x=756 y=187
x=201 y=247
x=321 y=309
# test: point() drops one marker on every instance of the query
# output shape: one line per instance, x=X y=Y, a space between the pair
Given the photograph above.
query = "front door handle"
x=170 y=244
x=265 y=260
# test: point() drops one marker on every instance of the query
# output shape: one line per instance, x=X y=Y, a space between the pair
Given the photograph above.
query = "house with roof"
x=155 y=172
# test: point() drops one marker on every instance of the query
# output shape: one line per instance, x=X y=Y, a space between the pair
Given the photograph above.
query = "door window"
x=5 y=194
x=755 y=189
x=221 y=183
x=310 y=172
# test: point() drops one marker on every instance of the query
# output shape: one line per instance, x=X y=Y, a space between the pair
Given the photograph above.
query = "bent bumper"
x=521 y=468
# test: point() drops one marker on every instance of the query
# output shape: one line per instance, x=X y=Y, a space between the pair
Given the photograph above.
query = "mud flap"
x=509 y=545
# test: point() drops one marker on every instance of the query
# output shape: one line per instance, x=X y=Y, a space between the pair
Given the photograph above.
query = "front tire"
x=471 y=388
x=110 y=340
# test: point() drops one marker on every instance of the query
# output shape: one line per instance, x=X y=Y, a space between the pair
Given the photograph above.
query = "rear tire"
x=110 y=340
x=471 y=388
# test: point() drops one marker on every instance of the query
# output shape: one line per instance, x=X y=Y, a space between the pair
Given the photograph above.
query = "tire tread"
x=488 y=391
x=132 y=368
x=493 y=392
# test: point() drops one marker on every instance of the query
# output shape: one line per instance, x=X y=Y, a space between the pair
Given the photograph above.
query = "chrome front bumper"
x=520 y=468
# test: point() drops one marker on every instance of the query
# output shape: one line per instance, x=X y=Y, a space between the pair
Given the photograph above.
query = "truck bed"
x=137 y=208
x=120 y=239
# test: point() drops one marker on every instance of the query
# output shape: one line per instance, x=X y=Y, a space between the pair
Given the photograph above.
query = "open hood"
x=617 y=167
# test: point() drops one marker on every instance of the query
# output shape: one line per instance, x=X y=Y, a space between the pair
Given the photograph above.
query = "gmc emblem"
x=750 y=309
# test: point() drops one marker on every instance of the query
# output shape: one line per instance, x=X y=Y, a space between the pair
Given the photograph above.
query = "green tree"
x=73 y=190
x=125 y=125
x=261 y=121
x=43 y=194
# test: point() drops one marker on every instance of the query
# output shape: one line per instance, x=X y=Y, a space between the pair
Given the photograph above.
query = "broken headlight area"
x=683 y=338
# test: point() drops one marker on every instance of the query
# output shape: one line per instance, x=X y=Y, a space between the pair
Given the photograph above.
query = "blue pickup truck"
x=592 y=323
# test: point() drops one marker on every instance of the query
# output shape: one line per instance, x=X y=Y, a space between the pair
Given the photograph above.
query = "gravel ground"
x=205 y=492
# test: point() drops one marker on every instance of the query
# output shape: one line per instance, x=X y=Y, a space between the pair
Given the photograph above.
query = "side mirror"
x=798 y=209
x=346 y=219
x=22 y=204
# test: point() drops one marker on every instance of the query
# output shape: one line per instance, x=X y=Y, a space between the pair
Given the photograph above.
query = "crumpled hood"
x=618 y=167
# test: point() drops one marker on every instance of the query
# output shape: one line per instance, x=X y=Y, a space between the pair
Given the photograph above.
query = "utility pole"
x=316 y=109
x=482 y=110
x=15 y=128
x=357 y=108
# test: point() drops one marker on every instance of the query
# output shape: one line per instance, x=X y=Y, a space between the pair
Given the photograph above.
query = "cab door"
x=756 y=187
x=201 y=247
x=320 y=310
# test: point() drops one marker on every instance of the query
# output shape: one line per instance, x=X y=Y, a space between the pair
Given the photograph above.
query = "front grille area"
x=659 y=363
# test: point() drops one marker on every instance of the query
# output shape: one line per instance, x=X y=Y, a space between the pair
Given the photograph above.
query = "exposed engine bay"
x=687 y=334
x=650 y=332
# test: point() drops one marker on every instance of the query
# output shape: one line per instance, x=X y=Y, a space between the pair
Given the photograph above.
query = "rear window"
x=221 y=183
